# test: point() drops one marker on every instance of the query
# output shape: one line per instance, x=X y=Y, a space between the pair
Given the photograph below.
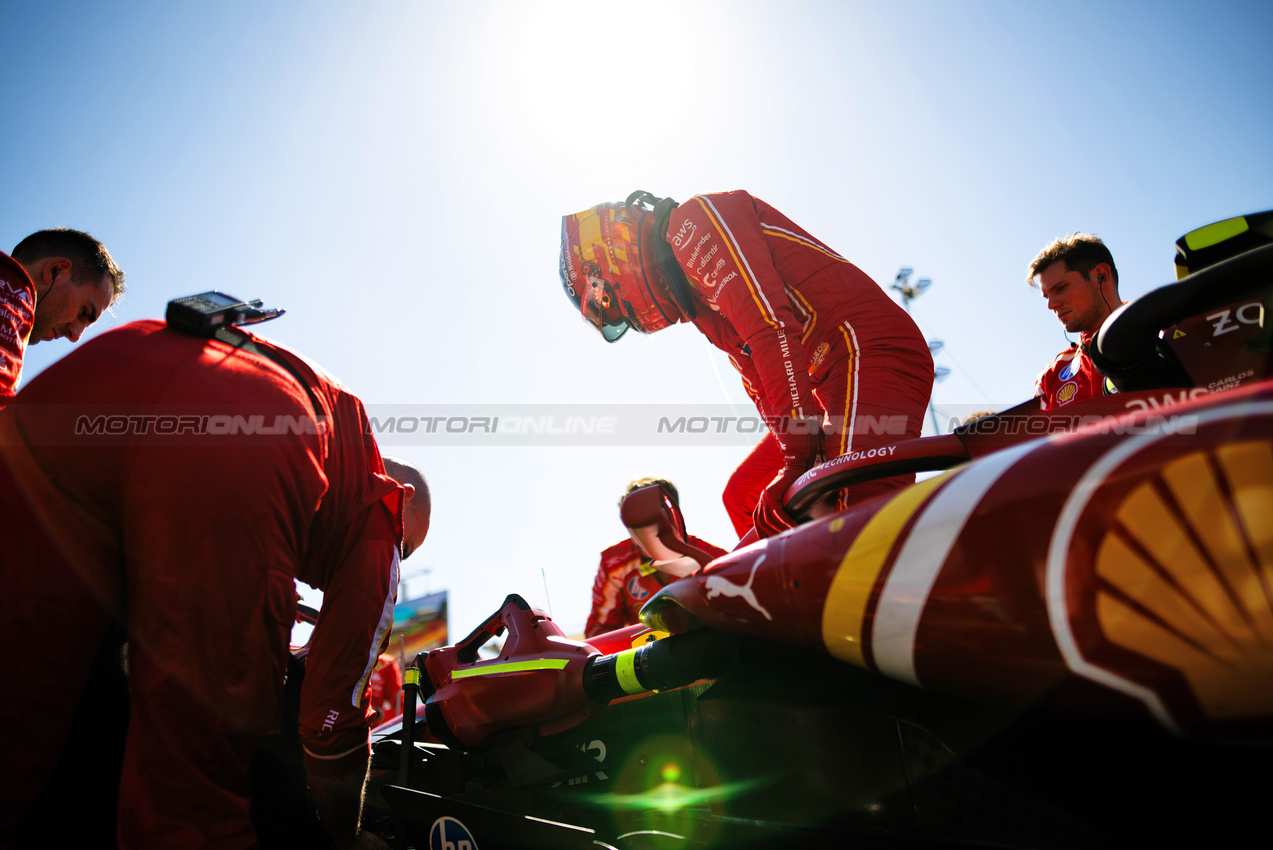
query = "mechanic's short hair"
x=646 y=482
x=1081 y=252
x=405 y=472
x=89 y=258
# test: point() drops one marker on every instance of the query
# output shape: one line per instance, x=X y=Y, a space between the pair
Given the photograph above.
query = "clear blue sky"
x=393 y=173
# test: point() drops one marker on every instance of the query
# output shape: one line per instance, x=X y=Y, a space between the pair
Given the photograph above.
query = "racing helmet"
x=610 y=269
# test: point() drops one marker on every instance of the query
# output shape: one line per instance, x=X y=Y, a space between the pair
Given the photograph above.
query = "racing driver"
x=832 y=363
x=182 y=484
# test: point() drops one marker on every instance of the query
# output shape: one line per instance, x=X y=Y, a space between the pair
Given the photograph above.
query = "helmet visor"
x=603 y=310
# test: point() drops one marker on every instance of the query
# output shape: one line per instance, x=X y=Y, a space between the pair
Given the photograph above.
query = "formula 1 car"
x=1064 y=639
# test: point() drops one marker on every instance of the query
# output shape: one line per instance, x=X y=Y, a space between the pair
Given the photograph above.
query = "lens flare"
x=665 y=784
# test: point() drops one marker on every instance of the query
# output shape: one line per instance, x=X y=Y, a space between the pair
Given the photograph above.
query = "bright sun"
x=580 y=77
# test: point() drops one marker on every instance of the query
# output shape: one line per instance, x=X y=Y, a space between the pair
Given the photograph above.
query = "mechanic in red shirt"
x=386 y=688
x=832 y=363
x=1076 y=275
x=627 y=578
x=183 y=484
x=56 y=284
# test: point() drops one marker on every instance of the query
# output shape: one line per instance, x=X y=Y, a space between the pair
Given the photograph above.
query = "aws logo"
x=449 y=834
x=684 y=234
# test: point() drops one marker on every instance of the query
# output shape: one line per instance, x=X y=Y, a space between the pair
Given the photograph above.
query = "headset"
x=677 y=285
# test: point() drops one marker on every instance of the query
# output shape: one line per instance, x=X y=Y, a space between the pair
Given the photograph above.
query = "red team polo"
x=17 y=315
x=183 y=484
x=1071 y=377
x=621 y=587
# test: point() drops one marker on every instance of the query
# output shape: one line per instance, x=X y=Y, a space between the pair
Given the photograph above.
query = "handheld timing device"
x=206 y=313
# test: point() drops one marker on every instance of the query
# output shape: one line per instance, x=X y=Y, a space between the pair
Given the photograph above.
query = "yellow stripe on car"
x=850 y=591
x=512 y=667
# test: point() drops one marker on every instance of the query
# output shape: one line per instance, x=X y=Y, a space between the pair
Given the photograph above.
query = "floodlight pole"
x=909 y=292
x=402 y=581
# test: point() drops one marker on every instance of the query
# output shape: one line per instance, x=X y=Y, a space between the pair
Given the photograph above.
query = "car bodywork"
x=1062 y=638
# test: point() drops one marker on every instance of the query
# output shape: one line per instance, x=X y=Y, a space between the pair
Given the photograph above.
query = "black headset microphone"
x=52 y=283
x=1100 y=287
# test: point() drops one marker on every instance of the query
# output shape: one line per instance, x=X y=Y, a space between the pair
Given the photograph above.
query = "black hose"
x=661 y=665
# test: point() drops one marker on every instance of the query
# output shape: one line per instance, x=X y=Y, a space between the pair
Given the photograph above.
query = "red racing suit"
x=624 y=583
x=17 y=315
x=810 y=333
x=1071 y=377
x=183 y=484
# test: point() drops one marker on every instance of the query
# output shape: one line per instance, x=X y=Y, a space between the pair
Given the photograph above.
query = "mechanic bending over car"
x=627 y=577
x=241 y=467
x=832 y=363
x=386 y=676
x=1076 y=275
x=56 y=283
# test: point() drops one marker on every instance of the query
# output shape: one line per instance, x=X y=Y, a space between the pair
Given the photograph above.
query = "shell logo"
x=1193 y=548
x=1066 y=393
x=1159 y=577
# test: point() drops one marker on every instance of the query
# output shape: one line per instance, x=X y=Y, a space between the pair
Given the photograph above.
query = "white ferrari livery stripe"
x=803 y=240
x=742 y=259
x=911 y=580
x=851 y=415
x=382 y=629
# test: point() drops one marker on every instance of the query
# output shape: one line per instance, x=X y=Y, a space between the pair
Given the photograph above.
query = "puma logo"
x=718 y=586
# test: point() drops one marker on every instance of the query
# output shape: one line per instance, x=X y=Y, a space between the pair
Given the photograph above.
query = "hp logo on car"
x=449 y=834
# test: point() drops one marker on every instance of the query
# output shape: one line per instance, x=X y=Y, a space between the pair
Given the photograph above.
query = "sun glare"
x=583 y=78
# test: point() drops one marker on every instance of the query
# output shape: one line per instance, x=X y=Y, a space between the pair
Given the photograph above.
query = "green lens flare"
x=662 y=782
x=670 y=797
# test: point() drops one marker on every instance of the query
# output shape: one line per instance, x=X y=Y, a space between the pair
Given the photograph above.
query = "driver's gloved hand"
x=801 y=441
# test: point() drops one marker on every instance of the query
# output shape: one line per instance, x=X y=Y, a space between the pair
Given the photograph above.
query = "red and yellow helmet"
x=610 y=271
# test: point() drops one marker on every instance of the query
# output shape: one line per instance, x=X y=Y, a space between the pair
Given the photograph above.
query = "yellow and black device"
x=1208 y=245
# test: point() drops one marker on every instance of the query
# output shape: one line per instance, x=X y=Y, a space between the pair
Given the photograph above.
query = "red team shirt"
x=196 y=538
x=17 y=315
x=621 y=588
x=386 y=688
x=1071 y=377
